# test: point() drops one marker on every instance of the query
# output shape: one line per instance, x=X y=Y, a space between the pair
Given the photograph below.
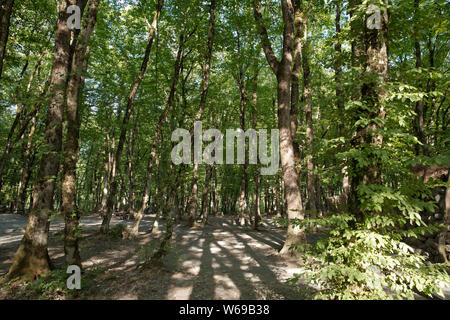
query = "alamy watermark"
x=374 y=19
x=74 y=20
x=74 y=281
x=213 y=153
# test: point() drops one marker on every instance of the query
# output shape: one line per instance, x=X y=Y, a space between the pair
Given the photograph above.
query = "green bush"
x=366 y=258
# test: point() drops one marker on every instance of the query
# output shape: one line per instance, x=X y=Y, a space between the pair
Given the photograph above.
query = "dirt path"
x=221 y=261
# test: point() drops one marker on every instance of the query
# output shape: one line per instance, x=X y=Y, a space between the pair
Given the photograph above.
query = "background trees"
x=361 y=113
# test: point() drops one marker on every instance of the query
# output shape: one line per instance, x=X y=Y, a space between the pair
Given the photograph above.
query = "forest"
x=224 y=150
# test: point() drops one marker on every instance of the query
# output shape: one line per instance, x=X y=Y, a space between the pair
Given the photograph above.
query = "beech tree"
x=31 y=259
x=358 y=91
x=282 y=70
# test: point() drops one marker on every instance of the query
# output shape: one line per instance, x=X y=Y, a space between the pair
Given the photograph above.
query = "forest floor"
x=220 y=261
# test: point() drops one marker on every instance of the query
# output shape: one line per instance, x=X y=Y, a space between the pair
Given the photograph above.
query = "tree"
x=193 y=199
x=31 y=259
x=367 y=137
x=129 y=109
x=282 y=70
x=5 y=15
x=71 y=146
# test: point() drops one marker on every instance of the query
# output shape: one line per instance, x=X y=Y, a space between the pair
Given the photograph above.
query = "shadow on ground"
x=220 y=261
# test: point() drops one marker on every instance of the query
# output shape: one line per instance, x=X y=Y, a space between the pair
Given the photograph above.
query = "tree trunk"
x=205 y=193
x=242 y=107
x=256 y=219
x=419 y=123
x=193 y=199
x=442 y=238
x=31 y=259
x=29 y=159
x=307 y=97
x=300 y=22
x=129 y=109
x=282 y=70
x=130 y=203
x=373 y=95
x=107 y=166
x=153 y=156
x=215 y=193
x=5 y=16
x=340 y=96
x=71 y=147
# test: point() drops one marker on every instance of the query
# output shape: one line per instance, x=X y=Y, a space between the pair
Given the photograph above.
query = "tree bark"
x=300 y=23
x=419 y=123
x=31 y=259
x=307 y=99
x=242 y=219
x=131 y=147
x=205 y=193
x=282 y=70
x=29 y=159
x=373 y=95
x=340 y=95
x=5 y=17
x=71 y=147
x=109 y=155
x=256 y=219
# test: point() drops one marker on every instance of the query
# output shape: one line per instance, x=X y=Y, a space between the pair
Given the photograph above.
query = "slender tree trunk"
x=31 y=259
x=5 y=16
x=256 y=219
x=300 y=22
x=242 y=198
x=442 y=238
x=242 y=107
x=205 y=193
x=130 y=105
x=180 y=194
x=107 y=166
x=419 y=123
x=131 y=147
x=340 y=96
x=21 y=121
x=155 y=202
x=71 y=147
x=153 y=155
x=307 y=97
x=215 y=193
x=29 y=159
x=357 y=32
x=193 y=199
x=277 y=206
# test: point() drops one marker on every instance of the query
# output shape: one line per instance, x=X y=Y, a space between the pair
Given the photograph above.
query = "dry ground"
x=220 y=261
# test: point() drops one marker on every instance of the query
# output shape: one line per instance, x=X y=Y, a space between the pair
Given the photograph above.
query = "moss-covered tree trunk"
x=374 y=61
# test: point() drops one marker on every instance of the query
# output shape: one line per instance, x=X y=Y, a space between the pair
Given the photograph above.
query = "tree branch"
x=270 y=56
